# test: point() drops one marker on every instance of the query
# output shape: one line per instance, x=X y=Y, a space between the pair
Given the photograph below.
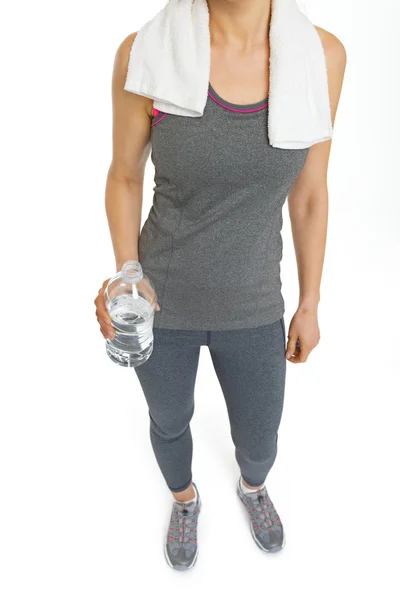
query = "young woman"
x=212 y=246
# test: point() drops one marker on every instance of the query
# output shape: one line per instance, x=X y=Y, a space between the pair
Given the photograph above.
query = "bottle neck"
x=131 y=271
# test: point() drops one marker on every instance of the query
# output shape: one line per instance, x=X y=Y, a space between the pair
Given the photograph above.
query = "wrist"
x=119 y=263
x=309 y=302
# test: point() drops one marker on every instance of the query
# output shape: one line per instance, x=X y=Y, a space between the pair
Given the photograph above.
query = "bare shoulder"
x=334 y=49
x=125 y=47
x=336 y=58
x=121 y=59
x=121 y=62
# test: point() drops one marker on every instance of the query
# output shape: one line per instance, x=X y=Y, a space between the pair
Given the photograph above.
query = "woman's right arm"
x=131 y=119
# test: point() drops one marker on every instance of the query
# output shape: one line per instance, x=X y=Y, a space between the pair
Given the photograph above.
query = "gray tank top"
x=211 y=243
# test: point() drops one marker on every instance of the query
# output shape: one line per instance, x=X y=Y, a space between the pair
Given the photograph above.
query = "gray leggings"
x=251 y=367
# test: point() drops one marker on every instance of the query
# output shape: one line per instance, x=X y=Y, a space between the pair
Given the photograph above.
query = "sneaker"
x=265 y=524
x=181 y=547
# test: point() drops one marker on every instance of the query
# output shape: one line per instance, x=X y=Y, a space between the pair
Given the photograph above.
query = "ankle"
x=246 y=487
x=186 y=495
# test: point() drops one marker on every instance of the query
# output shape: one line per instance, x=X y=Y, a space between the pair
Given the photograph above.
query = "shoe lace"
x=262 y=510
x=183 y=524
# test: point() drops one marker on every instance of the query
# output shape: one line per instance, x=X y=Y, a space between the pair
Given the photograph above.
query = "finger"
x=108 y=329
x=158 y=307
x=104 y=333
x=294 y=359
x=304 y=353
x=101 y=310
x=291 y=346
x=108 y=334
x=301 y=353
x=103 y=318
x=296 y=356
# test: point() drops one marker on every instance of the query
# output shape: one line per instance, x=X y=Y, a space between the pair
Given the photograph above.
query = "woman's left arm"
x=308 y=210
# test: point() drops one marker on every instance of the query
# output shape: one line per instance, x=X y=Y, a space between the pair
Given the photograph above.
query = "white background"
x=83 y=505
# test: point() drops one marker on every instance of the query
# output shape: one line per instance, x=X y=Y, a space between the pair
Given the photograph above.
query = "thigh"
x=169 y=374
x=250 y=364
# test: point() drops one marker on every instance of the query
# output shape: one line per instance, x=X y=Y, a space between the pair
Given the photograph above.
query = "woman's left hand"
x=303 y=335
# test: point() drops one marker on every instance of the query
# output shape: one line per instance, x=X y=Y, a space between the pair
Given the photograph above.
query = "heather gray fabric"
x=211 y=243
x=250 y=365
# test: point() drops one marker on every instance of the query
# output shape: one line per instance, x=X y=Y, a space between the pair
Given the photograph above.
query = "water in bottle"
x=130 y=300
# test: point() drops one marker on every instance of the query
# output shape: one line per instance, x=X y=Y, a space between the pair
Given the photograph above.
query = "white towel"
x=170 y=63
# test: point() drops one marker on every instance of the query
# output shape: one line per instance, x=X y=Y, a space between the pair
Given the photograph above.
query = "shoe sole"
x=270 y=551
x=182 y=567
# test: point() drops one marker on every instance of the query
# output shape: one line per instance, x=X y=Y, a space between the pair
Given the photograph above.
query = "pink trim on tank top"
x=237 y=109
x=160 y=119
x=156 y=112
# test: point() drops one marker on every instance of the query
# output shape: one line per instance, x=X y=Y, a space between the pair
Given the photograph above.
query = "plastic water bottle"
x=131 y=300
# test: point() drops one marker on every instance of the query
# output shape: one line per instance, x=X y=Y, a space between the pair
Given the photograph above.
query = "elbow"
x=125 y=176
x=303 y=203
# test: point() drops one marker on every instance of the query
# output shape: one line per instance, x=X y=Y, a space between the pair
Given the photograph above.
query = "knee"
x=261 y=452
x=169 y=429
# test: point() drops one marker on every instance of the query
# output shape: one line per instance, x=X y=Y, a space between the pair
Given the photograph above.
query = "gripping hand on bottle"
x=103 y=318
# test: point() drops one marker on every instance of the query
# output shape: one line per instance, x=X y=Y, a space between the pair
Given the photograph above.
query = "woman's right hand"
x=102 y=315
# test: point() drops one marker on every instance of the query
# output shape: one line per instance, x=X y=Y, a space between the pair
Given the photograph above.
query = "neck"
x=240 y=24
